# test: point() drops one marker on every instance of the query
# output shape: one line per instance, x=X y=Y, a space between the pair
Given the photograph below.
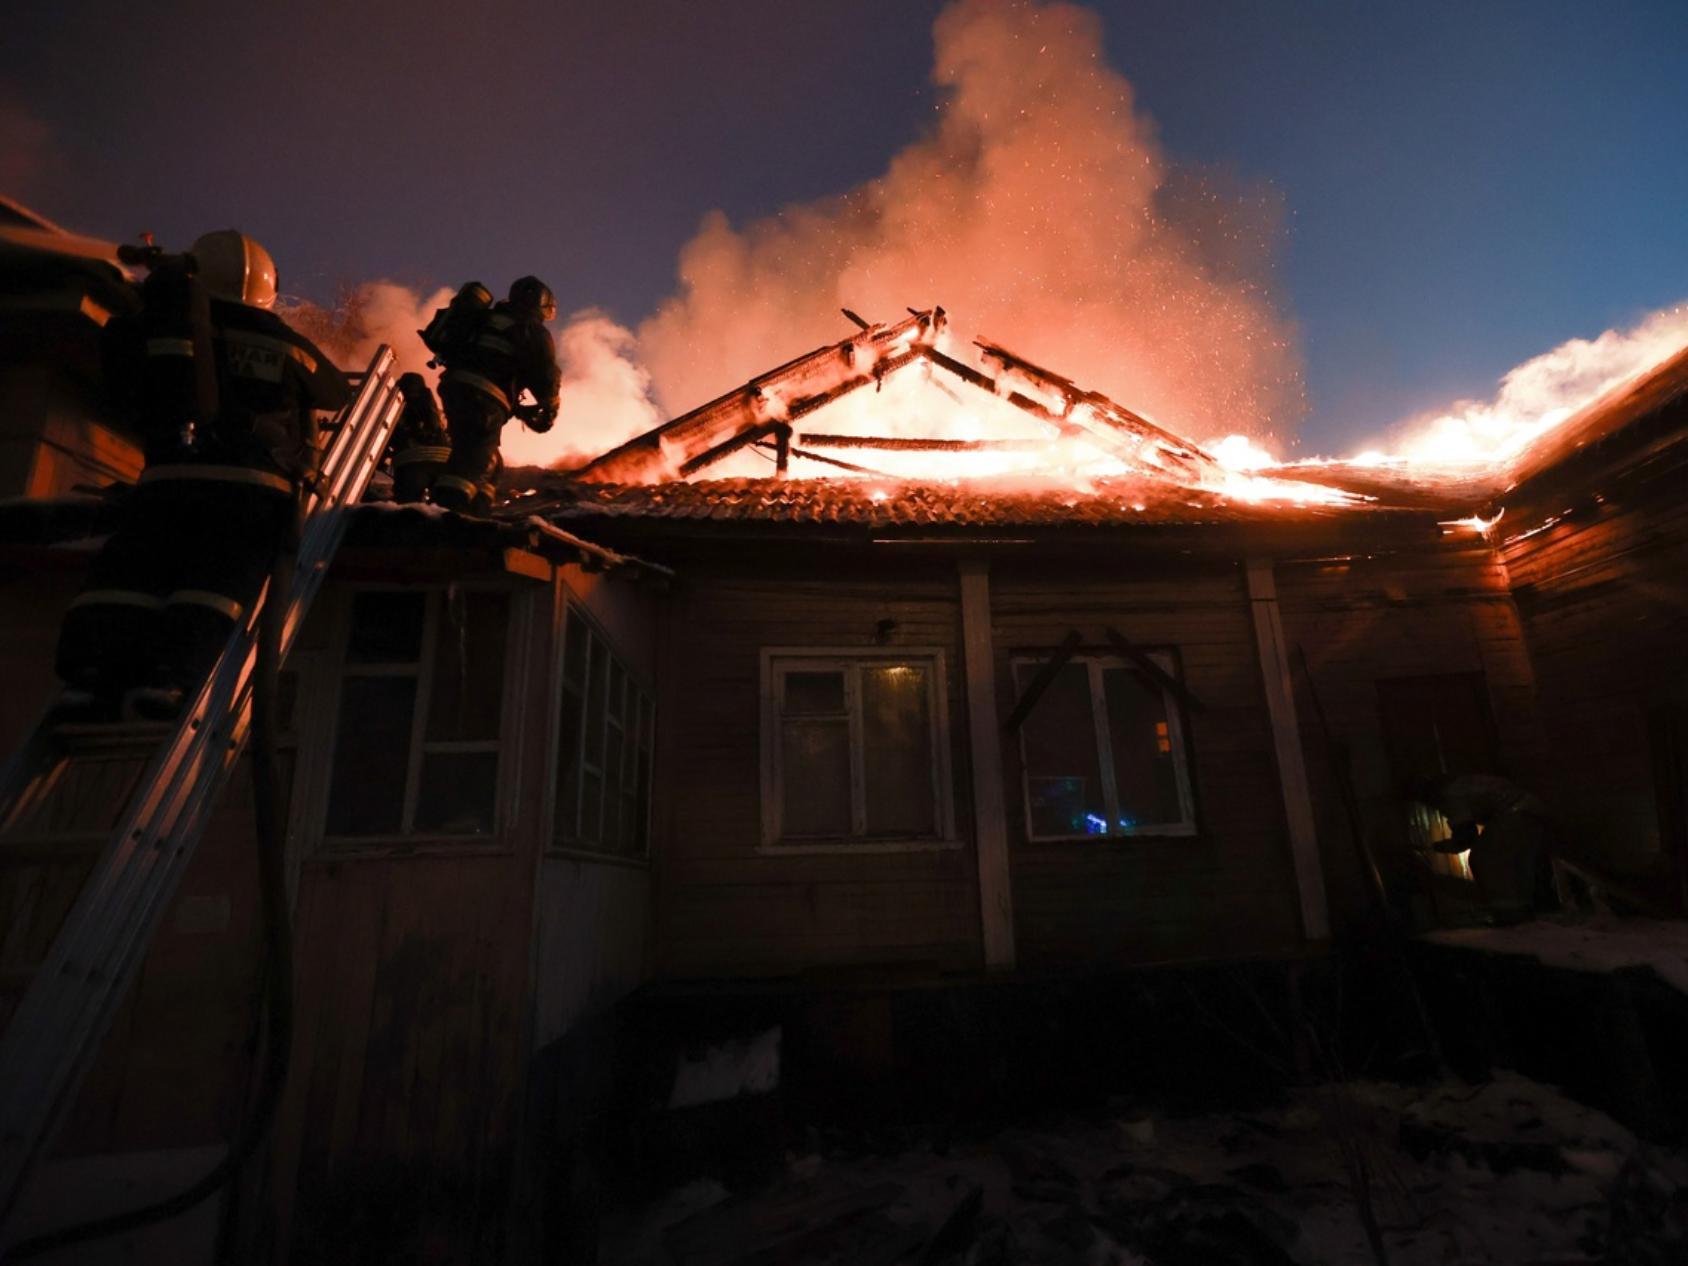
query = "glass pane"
x=568 y=767
x=642 y=805
x=634 y=719
x=814 y=694
x=457 y=793
x=897 y=750
x=574 y=649
x=386 y=627
x=618 y=688
x=611 y=835
x=468 y=685
x=1063 y=776
x=371 y=756
x=815 y=778
x=647 y=727
x=595 y=687
x=591 y=804
x=1144 y=769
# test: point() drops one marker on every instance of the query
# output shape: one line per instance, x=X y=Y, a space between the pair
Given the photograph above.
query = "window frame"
x=1096 y=664
x=567 y=604
x=324 y=721
x=776 y=661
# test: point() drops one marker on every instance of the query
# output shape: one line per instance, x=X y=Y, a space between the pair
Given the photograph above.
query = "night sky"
x=1466 y=184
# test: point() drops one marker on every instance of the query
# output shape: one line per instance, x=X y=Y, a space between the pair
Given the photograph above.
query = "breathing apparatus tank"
x=454 y=325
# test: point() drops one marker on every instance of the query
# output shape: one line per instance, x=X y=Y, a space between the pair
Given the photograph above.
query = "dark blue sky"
x=1466 y=184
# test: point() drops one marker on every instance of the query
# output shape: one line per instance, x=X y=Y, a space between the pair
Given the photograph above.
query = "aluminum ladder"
x=135 y=799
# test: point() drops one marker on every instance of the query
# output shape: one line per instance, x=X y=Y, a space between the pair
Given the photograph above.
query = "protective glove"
x=539 y=418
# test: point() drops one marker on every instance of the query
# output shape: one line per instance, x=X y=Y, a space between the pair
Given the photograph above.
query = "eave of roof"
x=37 y=523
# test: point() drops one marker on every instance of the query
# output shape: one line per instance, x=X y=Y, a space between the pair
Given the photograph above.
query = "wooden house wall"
x=1603 y=593
x=1228 y=889
x=593 y=920
x=1362 y=620
x=723 y=908
x=412 y=975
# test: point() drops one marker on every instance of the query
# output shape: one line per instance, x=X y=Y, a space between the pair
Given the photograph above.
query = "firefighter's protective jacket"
x=508 y=351
x=270 y=381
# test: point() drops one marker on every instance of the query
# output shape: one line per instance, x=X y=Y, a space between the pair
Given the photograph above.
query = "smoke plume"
x=605 y=397
x=1041 y=212
x=366 y=316
x=1536 y=396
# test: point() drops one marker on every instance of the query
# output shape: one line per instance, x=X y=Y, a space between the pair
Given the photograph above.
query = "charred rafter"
x=807 y=455
x=694 y=440
x=919 y=444
x=1103 y=421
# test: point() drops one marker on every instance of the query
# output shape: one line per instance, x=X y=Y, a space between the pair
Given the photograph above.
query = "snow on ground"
x=1598 y=944
x=1506 y=1172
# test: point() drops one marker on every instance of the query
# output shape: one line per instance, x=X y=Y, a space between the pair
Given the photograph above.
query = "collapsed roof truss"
x=762 y=411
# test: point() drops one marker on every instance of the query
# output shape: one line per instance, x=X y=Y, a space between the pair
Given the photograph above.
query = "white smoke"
x=1042 y=213
x=1534 y=398
x=605 y=397
x=366 y=316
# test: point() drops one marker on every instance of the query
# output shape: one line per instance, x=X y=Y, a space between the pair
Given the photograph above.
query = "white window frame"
x=568 y=605
x=1096 y=665
x=314 y=786
x=780 y=660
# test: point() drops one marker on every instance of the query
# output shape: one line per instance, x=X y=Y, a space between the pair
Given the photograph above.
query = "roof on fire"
x=1171 y=481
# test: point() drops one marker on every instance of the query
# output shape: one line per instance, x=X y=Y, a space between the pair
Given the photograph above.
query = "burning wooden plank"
x=1110 y=426
x=919 y=443
x=697 y=439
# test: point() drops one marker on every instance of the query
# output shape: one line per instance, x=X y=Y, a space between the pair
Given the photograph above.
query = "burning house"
x=891 y=670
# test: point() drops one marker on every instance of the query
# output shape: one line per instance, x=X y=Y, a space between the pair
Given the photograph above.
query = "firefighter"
x=223 y=394
x=505 y=350
x=1509 y=833
x=420 y=444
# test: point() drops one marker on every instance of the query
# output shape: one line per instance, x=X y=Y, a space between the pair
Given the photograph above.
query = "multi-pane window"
x=1103 y=752
x=854 y=748
x=421 y=690
x=606 y=737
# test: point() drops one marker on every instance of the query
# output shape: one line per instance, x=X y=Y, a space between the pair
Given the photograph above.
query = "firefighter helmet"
x=532 y=295
x=232 y=266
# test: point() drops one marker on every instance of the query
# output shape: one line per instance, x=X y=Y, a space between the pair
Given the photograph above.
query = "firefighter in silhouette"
x=223 y=394
x=1509 y=833
x=420 y=444
x=496 y=354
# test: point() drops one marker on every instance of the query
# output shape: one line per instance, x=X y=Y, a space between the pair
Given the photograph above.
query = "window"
x=605 y=738
x=1102 y=752
x=420 y=705
x=855 y=748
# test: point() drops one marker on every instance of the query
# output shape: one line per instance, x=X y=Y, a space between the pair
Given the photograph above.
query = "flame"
x=1534 y=399
x=1239 y=452
x=1476 y=523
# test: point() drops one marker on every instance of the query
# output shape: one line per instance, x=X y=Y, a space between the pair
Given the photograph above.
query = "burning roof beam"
x=807 y=455
x=919 y=444
x=1111 y=426
x=694 y=440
